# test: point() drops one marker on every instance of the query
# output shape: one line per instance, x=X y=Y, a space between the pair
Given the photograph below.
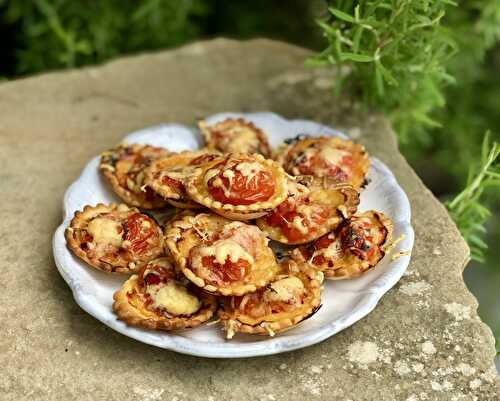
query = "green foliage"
x=63 y=33
x=394 y=53
x=407 y=58
x=50 y=34
x=467 y=208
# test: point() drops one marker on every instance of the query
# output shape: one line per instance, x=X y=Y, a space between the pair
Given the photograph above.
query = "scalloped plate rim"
x=269 y=346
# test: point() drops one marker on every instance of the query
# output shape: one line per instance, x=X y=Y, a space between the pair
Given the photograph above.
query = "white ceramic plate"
x=344 y=302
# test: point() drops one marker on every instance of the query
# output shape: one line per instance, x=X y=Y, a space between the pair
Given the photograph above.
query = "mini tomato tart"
x=291 y=298
x=157 y=298
x=326 y=156
x=221 y=256
x=114 y=238
x=167 y=176
x=314 y=207
x=124 y=167
x=239 y=186
x=355 y=247
x=235 y=136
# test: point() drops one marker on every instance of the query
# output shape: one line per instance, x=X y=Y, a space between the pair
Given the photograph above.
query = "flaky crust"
x=350 y=266
x=81 y=219
x=131 y=189
x=179 y=163
x=294 y=149
x=230 y=124
x=129 y=308
x=183 y=235
x=235 y=321
x=343 y=199
x=198 y=191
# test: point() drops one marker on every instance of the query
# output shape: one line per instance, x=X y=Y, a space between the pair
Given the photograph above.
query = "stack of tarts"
x=250 y=234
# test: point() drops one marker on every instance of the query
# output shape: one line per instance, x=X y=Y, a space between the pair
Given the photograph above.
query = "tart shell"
x=350 y=266
x=200 y=194
x=315 y=184
x=167 y=192
x=80 y=220
x=361 y=163
x=139 y=315
x=263 y=146
x=107 y=165
x=183 y=235
x=312 y=280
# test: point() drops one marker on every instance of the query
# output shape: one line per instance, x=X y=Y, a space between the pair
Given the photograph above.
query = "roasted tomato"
x=294 y=225
x=228 y=272
x=138 y=229
x=240 y=186
x=173 y=183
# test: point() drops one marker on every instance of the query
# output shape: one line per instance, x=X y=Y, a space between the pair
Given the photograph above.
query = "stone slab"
x=423 y=342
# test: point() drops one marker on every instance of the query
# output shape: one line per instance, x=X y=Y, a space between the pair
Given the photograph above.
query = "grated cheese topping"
x=287 y=290
x=174 y=298
x=333 y=156
x=106 y=231
x=298 y=223
x=242 y=140
x=222 y=249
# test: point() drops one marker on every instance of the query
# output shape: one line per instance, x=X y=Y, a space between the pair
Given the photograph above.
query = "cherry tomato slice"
x=241 y=190
x=173 y=183
x=208 y=157
x=138 y=229
x=229 y=271
x=284 y=215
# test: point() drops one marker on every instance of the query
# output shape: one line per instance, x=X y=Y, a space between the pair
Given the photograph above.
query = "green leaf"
x=341 y=15
x=360 y=58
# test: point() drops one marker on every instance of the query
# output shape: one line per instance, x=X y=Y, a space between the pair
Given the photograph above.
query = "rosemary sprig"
x=467 y=208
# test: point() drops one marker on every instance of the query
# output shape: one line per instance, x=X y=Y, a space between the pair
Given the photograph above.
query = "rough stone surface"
x=423 y=342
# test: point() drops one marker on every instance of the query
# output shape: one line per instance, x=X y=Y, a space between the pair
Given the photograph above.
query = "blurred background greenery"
x=433 y=66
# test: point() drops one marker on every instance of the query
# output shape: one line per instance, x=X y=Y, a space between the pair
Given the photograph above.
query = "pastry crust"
x=133 y=303
x=355 y=247
x=280 y=306
x=221 y=256
x=114 y=238
x=325 y=156
x=124 y=167
x=314 y=207
x=241 y=173
x=235 y=135
x=168 y=176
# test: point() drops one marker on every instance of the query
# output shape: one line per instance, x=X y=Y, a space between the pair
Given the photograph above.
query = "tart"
x=114 y=238
x=124 y=167
x=221 y=256
x=239 y=186
x=157 y=298
x=291 y=298
x=167 y=176
x=314 y=207
x=325 y=156
x=355 y=247
x=235 y=136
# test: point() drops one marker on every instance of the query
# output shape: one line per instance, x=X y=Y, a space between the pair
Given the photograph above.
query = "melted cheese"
x=229 y=174
x=332 y=155
x=243 y=140
x=305 y=210
x=298 y=223
x=210 y=174
x=285 y=290
x=222 y=249
x=178 y=174
x=174 y=298
x=105 y=230
x=333 y=251
x=249 y=169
